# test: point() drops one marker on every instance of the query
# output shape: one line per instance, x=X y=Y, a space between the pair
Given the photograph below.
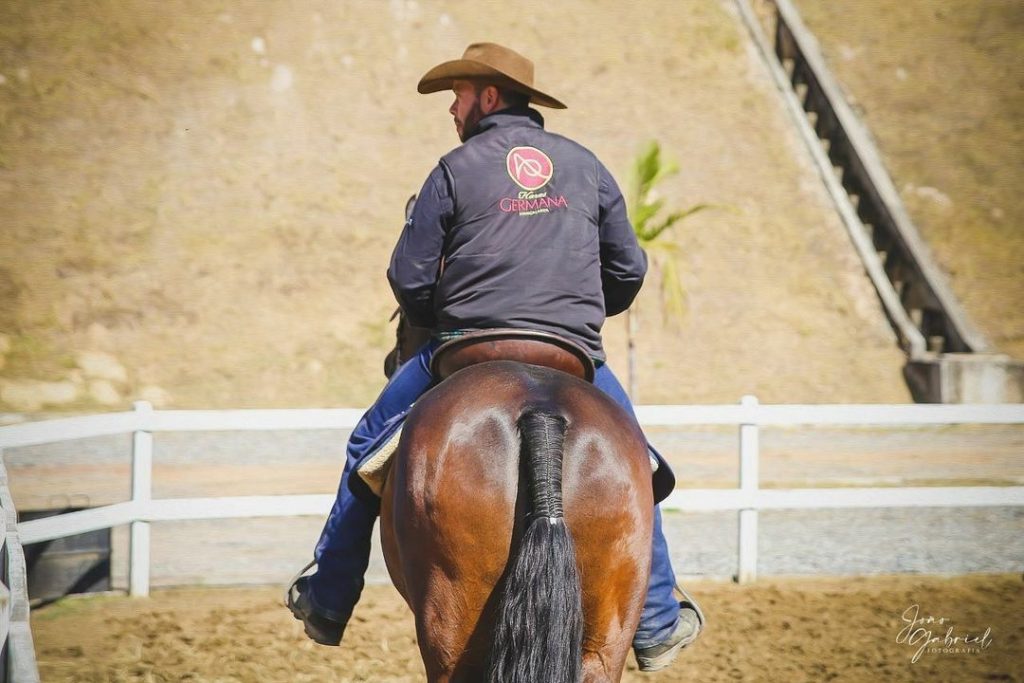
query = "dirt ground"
x=209 y=192
x=843 y=629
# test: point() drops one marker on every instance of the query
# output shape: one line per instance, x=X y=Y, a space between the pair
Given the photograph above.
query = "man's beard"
x=471 y=121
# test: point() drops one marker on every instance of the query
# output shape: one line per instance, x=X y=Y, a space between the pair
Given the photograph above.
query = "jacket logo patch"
x=529 y=167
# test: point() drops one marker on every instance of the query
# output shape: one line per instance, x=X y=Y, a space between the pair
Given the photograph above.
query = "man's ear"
x=490 y=98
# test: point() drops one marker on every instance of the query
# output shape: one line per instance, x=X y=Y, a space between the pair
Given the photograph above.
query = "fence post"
x=748 y=486
x=142 y=493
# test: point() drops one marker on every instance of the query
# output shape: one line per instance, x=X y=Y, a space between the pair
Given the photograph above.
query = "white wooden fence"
x=747 y=498
x=18 y=657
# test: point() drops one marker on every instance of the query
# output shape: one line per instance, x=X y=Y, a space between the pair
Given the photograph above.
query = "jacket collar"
x=513 y=116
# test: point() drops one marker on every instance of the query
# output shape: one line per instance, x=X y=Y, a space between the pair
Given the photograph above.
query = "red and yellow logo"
x=529 y=167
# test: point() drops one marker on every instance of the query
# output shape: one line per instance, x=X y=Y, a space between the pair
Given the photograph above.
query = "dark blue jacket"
x=521 y=228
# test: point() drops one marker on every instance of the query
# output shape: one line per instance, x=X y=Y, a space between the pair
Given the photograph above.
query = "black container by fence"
x=63 y=566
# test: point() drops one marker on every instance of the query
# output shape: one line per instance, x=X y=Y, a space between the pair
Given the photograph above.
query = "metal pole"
x=142 y=493
x=748 y=486
x=631 y=330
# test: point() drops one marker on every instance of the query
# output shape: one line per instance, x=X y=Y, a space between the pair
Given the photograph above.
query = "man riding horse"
x=516 y=228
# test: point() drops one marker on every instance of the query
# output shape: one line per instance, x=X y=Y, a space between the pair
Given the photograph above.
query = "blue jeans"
x=343 y=551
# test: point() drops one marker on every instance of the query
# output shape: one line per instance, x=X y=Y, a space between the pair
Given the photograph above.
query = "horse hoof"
x=320 y=629
x=657 y=657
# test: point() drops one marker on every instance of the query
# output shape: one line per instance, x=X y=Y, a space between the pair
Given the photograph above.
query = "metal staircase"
x=948 y=359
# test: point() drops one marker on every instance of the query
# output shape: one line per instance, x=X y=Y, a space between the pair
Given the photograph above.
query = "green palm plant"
x=644 y=206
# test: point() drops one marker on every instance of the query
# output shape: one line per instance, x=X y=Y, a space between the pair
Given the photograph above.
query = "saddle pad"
x=374 y=470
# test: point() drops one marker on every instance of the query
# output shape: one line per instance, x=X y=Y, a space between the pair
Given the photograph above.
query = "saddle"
x=524 y=346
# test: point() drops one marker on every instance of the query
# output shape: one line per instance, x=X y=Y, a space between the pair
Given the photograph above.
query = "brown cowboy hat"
x=490 y=61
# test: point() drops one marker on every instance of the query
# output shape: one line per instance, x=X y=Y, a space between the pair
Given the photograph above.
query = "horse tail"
x=539 y=629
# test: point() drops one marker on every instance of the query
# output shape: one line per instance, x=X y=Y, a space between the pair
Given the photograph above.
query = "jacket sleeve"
x=623 y=262
x=416 y=260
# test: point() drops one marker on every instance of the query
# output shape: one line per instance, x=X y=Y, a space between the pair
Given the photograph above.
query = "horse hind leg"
x=450 y=517
x=612 y=531
x=597 y=669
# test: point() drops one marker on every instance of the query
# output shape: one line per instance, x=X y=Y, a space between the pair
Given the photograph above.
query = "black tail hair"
x=539 y=629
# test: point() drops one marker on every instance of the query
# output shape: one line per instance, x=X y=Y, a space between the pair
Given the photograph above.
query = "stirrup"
x=662 y=655
x=295 y=580
x=688 y=601
x=319 y=628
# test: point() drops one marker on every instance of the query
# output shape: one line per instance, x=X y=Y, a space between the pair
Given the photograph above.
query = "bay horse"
x=516 y=523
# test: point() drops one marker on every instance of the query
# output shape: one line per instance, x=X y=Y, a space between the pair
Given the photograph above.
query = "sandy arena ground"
x=842 y=629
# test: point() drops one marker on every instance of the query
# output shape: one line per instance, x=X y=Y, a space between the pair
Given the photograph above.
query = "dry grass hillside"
x=941 y=86
x=200 y=197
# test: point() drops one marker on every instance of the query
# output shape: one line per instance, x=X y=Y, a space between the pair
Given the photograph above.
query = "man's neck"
x=506 y=114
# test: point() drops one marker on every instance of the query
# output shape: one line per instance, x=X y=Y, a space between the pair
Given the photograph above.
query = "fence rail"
x=747 y=499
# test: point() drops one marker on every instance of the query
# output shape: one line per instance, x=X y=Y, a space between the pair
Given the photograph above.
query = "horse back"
x=455 y=504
